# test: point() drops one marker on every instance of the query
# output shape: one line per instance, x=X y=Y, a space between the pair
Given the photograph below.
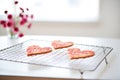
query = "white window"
x=62 y=10
x=6 y=5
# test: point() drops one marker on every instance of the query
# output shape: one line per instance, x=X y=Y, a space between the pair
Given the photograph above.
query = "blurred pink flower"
x=16 y=2
x=9 y=16
x=15 y=21
x=21 y=35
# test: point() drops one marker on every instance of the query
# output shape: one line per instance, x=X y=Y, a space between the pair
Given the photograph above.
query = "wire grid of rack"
x=57 y=58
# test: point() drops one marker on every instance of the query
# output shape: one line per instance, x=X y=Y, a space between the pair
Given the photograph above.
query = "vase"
x=11 y=34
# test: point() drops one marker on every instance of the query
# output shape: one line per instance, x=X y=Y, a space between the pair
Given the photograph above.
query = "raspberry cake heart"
x=35 y=50
x=57 y=44
x=76 y=53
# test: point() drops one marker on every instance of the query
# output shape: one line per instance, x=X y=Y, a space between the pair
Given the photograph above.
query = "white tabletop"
x=110 y=71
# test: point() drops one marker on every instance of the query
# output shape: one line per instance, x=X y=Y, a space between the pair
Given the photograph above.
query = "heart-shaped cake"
x=35 y=49
x=76 y=53
x=57 y=44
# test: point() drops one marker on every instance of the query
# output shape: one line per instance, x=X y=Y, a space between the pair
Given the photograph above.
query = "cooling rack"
x=57 y=58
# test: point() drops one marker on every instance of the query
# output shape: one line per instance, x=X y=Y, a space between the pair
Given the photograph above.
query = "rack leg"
x=105 y=57
x=81 y=75
x=106 y=60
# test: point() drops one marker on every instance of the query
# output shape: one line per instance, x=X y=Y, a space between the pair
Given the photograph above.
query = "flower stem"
x=11 y=34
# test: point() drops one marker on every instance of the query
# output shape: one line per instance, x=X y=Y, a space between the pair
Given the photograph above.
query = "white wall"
x=107 y=26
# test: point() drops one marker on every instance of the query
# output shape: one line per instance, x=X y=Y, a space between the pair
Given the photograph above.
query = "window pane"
x=60 y=10
x=6 y=5
x=66 y=10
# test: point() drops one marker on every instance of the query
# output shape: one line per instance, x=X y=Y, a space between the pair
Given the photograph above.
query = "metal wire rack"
x=57 y=58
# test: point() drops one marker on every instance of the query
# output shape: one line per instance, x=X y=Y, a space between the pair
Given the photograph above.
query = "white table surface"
x=110 y=71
